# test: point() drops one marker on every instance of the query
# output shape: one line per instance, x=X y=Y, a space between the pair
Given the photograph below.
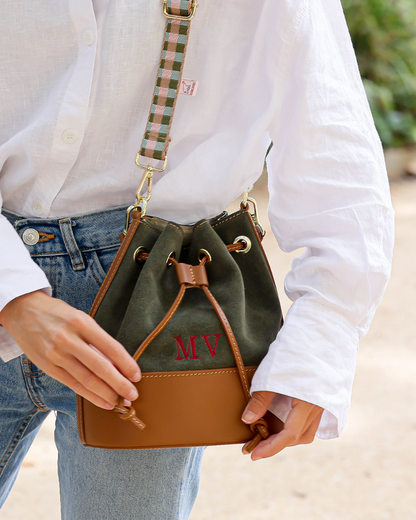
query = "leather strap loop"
x=128 y=414
x=259 y=428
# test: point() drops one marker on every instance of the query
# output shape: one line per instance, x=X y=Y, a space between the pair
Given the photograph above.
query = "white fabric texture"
x=73 y=109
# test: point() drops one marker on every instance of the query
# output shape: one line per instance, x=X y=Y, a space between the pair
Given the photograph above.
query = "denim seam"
x=15 y=440
x=53 y=260
x=83 y=249
x=88 y=264
x=31 y=387
x=86 y=249
x=54 y=221
x=100 y=213
x=50 y=253
x=182 y=483
x=39 y=373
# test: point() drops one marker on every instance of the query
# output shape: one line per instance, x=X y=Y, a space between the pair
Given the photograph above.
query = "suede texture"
x=141 y=294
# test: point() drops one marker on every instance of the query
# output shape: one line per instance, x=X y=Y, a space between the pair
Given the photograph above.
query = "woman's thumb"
x=257 y=407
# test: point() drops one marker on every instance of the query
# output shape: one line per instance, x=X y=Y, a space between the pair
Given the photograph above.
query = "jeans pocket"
x=100 y=261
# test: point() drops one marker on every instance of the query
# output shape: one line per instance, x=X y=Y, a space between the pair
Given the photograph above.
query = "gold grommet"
x=137 y=252
x=207 y=254
x=245 y=240
x=170 y=255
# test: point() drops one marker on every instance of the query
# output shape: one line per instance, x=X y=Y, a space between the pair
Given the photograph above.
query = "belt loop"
x=75 y=254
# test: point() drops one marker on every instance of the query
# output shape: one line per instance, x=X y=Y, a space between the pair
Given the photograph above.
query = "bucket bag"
x=196 y=306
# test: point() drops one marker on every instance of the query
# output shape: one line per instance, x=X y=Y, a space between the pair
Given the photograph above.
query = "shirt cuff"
x=304 y=362
x=9 y=349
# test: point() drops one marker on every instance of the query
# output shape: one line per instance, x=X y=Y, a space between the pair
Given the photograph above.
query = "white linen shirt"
x=76 y=81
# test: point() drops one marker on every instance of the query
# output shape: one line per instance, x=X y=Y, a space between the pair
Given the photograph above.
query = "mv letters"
x=191 y=349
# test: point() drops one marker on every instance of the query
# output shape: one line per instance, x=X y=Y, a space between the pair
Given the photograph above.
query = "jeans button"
x=30 y=237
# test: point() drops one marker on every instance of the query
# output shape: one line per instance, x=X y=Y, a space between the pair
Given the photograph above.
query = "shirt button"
x=37 y=207
x=70 y=136
x=30 y=237
x=88 y=37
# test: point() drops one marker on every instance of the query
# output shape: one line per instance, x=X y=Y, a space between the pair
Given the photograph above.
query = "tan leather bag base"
x=164 y=405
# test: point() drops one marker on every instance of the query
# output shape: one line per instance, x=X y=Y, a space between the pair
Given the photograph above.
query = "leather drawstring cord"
x=196 y=276
x=231 y=248
x=128 y=414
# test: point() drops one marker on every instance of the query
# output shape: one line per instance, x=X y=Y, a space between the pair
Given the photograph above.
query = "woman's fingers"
x=93 y=334
x=94 y=371
x=65 y=378
x=57 y=338
x=303 y=420
x=106 y=382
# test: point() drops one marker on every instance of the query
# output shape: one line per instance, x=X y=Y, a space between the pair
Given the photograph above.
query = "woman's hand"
x=300 y=426
x=71 y=347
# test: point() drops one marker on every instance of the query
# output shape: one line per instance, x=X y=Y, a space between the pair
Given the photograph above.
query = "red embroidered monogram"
x=212 y=352
x=179 y=343
x=191 y=345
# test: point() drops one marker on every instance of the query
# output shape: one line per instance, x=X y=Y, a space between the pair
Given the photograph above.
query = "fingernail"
x=136 y=378
x=133 y=395
x=255 y=457
x=248 y=416
x=126 y=403
x=108 y=406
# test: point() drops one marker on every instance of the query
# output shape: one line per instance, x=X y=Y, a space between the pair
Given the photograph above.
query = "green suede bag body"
x=198 y=338
x=142 y=293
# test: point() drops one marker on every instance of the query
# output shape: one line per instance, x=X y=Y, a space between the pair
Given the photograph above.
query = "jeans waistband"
x=70 y=235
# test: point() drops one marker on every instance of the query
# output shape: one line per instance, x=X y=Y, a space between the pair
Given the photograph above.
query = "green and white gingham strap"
x=156 y=138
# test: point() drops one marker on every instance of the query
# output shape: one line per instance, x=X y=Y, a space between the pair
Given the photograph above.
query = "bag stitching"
x=191 y=374
x=150 y=227
x=227 y=219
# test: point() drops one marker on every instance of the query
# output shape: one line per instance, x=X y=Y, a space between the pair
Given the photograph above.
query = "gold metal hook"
x=179 y=17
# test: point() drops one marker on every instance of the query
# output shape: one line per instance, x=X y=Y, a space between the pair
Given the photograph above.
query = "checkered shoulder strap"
x=179 y=14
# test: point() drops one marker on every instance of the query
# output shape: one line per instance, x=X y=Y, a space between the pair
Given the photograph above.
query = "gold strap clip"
x=170 y=16
x=255 y=215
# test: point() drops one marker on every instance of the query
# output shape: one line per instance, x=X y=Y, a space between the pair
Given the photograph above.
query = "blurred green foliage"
x=384 y=37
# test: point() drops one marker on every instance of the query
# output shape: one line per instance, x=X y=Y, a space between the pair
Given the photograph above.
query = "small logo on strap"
x=189 y=87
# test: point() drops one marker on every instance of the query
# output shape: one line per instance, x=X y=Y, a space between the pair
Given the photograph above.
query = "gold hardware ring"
x=137 y=252
x=149 y=166
x=170 y=255
x=245 y=240
x=179 y=17
x=207 y=254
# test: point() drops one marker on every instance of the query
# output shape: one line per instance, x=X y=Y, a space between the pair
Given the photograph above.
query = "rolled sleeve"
x=329 y=195
x=305 y=363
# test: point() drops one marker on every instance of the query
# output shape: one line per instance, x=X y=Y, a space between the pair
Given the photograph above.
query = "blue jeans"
x=75 y=254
